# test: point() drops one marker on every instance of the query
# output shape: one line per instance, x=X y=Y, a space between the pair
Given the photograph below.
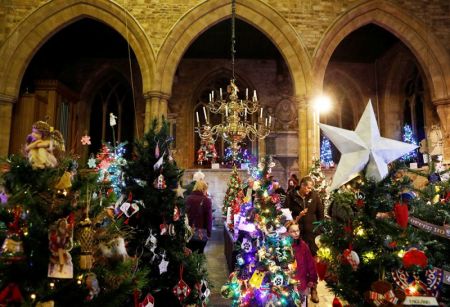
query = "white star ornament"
x=362 y=147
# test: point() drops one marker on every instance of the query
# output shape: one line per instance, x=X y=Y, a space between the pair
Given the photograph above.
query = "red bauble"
x=401 y=214
x=337 y=302
x=415 y=257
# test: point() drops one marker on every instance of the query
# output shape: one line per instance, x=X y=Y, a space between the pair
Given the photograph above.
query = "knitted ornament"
x=149 y=301
x=351 y=257
x=181 y=289
x=203 y=291
x=160 y=182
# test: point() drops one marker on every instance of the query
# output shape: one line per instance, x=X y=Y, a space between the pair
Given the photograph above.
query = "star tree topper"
x=362 y=147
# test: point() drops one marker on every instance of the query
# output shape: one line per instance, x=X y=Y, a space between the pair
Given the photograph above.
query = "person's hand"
x=303 y=212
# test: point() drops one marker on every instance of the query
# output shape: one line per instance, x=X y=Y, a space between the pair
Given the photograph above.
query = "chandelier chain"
x=233 y=35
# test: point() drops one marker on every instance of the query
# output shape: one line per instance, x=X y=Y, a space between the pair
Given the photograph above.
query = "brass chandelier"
x=238 y=113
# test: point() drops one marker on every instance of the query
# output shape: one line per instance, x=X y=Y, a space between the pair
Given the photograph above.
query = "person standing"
x=306 y=268
x=199 y=212
x=306 y=208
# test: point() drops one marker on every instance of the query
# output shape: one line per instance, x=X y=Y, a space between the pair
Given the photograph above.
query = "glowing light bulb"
x=33 y=296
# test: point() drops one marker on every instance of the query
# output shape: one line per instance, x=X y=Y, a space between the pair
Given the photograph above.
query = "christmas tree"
x=409 y=137
x=160 y=231
x=383 y=244
x=243 y=156
x=233 y=197
x=320 y=183
x=57 y=237
x=326 y=155
x=264 y=266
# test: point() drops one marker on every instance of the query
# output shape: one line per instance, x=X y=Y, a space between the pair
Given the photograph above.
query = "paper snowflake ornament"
x=163 y=265
x=179 y=191
x=362 y=147
x=86 y=140
x=92 y=163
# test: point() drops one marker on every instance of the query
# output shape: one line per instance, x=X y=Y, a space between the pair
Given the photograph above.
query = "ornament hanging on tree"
x=160 y=182
x=415 y=257
x=203 y=292
x=92 y=286
x=163 y=264
x=181 y=289
x=401 y=214
x=382 y=294
x=149 y=301
x=86 y=241
x=60 y=238
x=11 y=295
x=176 y=213
x=12 y=248
x=336 y=302
x=157 y=150
x=351 y=257
x=86 y=140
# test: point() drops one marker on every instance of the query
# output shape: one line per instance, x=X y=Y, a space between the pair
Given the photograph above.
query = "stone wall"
x=311 y=19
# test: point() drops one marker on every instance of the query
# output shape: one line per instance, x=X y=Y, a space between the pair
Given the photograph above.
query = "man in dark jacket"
x=307 y=208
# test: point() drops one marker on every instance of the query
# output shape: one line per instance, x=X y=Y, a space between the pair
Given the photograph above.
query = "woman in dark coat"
x=199 y=212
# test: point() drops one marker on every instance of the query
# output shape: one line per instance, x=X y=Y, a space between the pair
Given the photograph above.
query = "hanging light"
x=237 y=113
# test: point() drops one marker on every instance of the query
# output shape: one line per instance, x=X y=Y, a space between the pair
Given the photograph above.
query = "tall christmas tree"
x=56 y=234
x=409 y=137
x=234 y=196
x=326 y=155
x=320 y=183
x=176 y=276
x=264 y=270
x=384 y=244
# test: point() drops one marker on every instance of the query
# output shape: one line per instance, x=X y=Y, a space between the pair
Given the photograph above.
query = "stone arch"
x=258 y=14
x=425 y=46
x=31 y=34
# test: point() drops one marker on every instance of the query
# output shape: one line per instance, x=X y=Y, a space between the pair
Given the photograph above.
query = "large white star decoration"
x=180 y=191
x=362 y=147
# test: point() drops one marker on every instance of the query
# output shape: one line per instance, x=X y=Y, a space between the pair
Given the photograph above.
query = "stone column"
x=443 y=110
x=6 y=107
x=304 y=135
x=151 y=108
x=163 y=106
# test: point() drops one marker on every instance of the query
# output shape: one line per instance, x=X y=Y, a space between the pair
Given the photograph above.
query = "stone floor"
x=218 y=273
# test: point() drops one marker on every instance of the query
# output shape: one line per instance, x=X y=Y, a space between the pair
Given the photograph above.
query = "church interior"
x=74 y=63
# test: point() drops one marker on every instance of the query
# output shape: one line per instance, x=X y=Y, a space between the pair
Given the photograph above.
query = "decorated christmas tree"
x=409 y=137
x=326 y=155
x=234 y=196
x=243 y=156
x=59 y=244
x=372 y=241
x=264 y=268
x=385 y=244
x=320 y=183
x=176 y=276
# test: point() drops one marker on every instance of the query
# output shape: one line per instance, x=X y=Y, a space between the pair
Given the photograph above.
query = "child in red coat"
x=306 y=267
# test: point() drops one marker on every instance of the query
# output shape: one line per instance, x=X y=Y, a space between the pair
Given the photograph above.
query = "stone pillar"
x=304 y=135
x=6 y=107
x=443 y=110
x=151 y=108
x=163 y=106
x=261 y=148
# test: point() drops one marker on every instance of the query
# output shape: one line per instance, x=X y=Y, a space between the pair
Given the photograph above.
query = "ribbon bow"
x=379 y=298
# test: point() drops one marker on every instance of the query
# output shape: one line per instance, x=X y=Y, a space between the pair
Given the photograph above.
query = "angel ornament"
x=41 y=143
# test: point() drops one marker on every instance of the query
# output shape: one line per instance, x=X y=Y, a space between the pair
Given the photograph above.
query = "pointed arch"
x=432 y=56
x=258 y=14
x=21 y=45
